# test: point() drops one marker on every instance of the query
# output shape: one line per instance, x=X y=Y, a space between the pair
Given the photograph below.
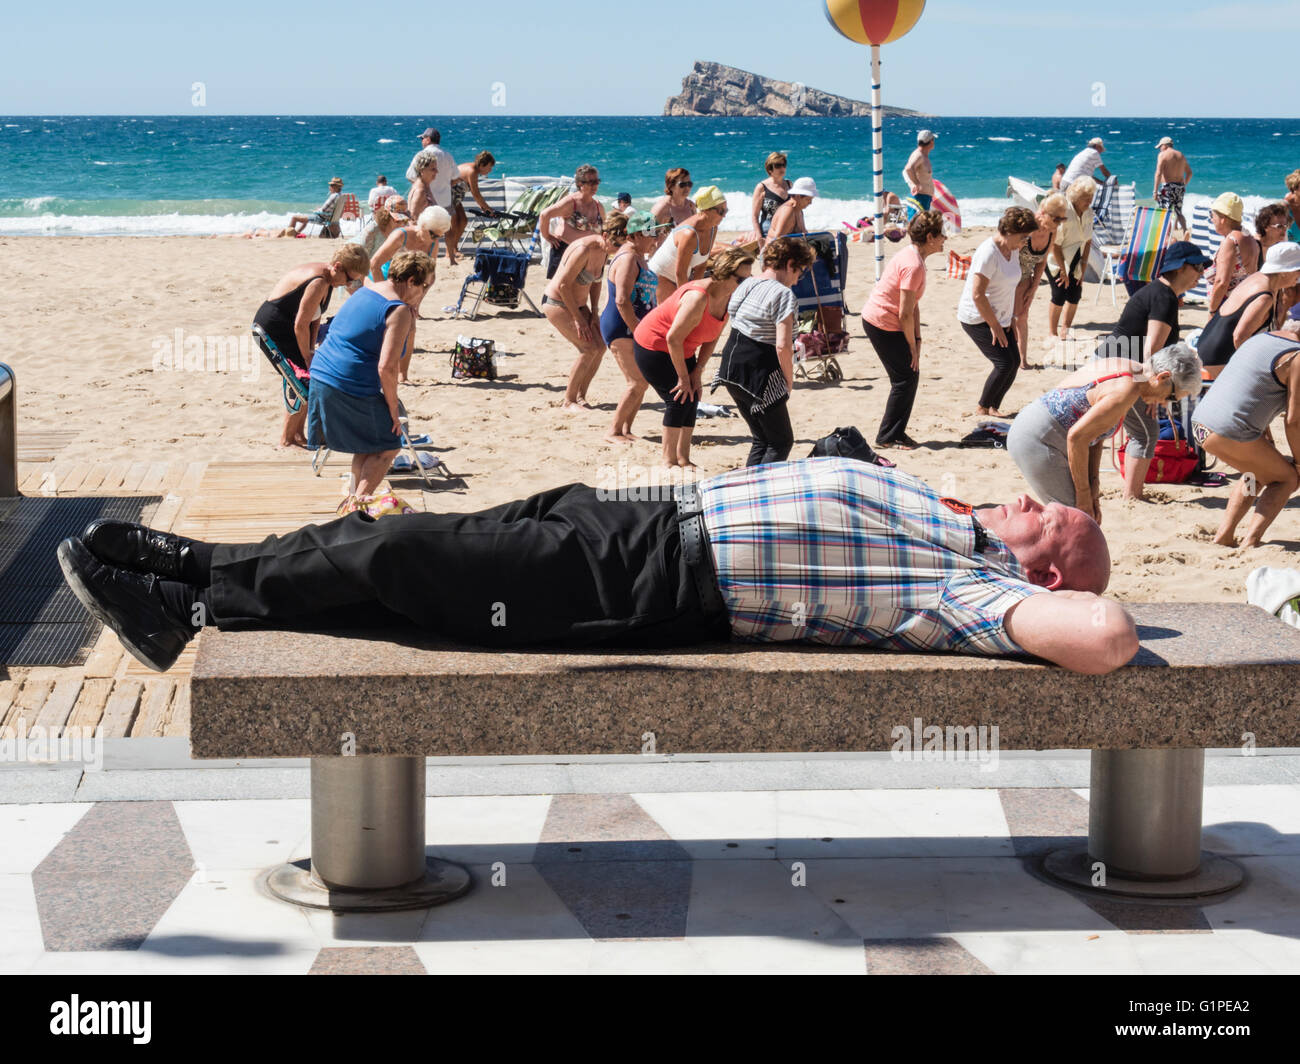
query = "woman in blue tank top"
x=352 y=400
x=630 y=297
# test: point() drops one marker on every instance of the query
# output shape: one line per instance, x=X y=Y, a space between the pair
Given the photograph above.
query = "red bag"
x=1174 y=462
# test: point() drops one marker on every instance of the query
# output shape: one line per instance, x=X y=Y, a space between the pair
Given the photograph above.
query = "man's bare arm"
x=1074 y=629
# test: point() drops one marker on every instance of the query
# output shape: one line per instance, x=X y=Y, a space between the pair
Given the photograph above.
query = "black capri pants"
x=895 y=354
x=658 y=370
x=1006 y=362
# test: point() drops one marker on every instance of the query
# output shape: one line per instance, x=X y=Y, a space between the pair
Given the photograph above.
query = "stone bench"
x=367 y=708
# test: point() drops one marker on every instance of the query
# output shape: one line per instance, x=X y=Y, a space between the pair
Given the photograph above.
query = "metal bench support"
x=1144 y=830
x=8 y=433
x=367 y=841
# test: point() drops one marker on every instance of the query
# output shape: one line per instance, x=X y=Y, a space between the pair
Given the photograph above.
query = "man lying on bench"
x=824 y=550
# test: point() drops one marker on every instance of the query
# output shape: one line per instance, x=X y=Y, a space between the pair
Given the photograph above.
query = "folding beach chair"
x=329 y=227
x=822 y=286
x=351 y=212
x=1110 y=237
x=295 y=388
x=1146 y=245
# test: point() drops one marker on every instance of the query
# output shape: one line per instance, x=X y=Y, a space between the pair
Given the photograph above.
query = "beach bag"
x=1176 y=457
x=987 y=434
x=848 y=443
x=374 y=506
x=958 y=266
x=474 y=359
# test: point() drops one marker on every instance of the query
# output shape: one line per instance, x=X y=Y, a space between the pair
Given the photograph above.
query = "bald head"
x=1060 y=547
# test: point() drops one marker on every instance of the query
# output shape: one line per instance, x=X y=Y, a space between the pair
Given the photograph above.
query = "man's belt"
x=695 y=548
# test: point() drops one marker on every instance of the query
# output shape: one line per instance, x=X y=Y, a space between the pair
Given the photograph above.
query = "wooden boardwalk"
x=231 y=502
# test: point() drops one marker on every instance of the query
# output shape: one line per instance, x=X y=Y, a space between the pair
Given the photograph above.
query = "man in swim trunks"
x=917 y=172
x=1172 y=177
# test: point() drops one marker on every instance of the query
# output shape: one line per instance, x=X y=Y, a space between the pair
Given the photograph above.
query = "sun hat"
x=397 y=208
x=336 y=181
x=805 y=186
x=1163 y=141
x=642 y=222
x=708 y=197
x=1229 y=205
x=1183 y=253
x=1282 y=258
x=1097 y=143
x=924 y=136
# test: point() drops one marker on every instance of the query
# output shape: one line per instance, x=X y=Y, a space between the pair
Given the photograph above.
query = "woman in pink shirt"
x=892 y=320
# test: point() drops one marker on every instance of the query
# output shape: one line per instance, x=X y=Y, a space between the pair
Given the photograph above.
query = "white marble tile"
x=1204 y=954
x=705 y=822
x=252 y=835
x=539 y=956
x=20 y=922
x=481 y=830
x=1054 y=952
x=524 y=908
x=647 y=957
x=891 y=823
x=220 y=923
x=778 y=955
x=29 y=832
x=1263 y=819
x=884 y=897
x=1277 y=953
x=90 y=962
x=1269 y=901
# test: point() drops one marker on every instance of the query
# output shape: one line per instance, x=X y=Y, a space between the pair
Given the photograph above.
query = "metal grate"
x=41 y=621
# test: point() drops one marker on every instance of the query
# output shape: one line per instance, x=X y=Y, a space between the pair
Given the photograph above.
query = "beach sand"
x=90 y=327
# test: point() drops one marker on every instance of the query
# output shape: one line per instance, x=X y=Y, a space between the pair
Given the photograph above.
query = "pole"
x=878 y=159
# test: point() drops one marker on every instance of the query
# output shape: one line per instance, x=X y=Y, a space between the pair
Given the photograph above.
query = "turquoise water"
x=88 y=175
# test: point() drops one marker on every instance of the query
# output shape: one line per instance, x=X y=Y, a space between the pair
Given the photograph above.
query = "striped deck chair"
x=1146 y=246
x=1205 y=238
x=1110 y=238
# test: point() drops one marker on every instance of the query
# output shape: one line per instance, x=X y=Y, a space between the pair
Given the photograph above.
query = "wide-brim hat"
x=804 y=186
x=1282 y=258
x=1229 y=205
x=708 y=197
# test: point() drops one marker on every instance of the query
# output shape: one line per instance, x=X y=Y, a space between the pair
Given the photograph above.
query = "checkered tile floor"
x=861 y=882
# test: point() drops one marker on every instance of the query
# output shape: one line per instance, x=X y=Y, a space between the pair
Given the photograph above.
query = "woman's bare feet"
x=615 y=437
x=571 y=405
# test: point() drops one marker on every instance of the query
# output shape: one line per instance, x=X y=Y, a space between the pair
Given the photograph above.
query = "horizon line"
x=688 y=118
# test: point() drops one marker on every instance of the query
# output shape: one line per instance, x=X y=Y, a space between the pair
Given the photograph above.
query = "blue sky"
x=1012 y=57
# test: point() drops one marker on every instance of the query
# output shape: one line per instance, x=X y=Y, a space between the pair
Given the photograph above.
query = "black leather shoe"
x=128 y=603
x=135 y=547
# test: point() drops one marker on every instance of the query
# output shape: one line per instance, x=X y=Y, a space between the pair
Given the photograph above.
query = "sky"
x=964 y=57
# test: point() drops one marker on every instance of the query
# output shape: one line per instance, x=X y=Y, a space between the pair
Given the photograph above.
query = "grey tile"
x=110 y=879
x=1043 y=819
x=624 y=899
x=1148 y=919
x=367 y=960
x=940 y=955
x=603 y=827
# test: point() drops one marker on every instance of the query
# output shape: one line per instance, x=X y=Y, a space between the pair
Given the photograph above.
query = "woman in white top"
x=1069 y=254
x=988 y=303
x=681 y=257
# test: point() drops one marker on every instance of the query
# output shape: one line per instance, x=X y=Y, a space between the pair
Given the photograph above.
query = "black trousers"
x=773 y=434
x=894 y=353
x=1006 y=362
x=568 y=567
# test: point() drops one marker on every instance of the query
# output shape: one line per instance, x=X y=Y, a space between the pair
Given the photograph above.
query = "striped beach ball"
x=873 y=21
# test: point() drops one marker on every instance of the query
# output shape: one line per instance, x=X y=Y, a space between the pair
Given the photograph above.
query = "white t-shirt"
x=447 y=173
x=380 y=192
x=1004 y=277
x=1082 y=165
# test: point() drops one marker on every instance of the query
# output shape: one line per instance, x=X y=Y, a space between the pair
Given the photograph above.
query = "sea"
x=96 y=175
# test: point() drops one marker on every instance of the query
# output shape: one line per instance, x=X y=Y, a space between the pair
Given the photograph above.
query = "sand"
x=90 y=326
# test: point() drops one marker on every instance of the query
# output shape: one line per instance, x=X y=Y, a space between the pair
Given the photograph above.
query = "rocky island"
x=712 y=89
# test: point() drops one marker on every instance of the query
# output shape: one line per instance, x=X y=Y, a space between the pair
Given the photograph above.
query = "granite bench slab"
x=1207 y=674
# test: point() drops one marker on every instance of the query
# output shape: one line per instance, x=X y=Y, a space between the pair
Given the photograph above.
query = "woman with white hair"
x=1070 y=251
x=420 y=197
x=420 y=236
x=1231 y=422
x=1057 y=440
x=788 y=218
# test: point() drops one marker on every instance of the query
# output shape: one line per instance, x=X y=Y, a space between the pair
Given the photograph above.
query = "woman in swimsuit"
x=575 y=215
x=788 y=218
x=1033 y=261
x=419 y=236
x=421 y=194
x=769 y=194
x=571 y=303
x=674 y=207
x=682 y=256
x=631 y=296
x=1251 y=307
x=291 y=316
x=1056 y=441
x=1238 y=255
x=467 y=179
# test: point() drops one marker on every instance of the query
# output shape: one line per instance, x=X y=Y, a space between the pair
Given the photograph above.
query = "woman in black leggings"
x=988 y=303
x=758 y=360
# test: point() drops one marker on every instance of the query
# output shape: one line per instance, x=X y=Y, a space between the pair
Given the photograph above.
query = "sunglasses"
x=685 y=184
x=590 y=181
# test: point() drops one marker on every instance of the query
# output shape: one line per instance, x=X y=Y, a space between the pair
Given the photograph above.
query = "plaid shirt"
x=836 y=551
